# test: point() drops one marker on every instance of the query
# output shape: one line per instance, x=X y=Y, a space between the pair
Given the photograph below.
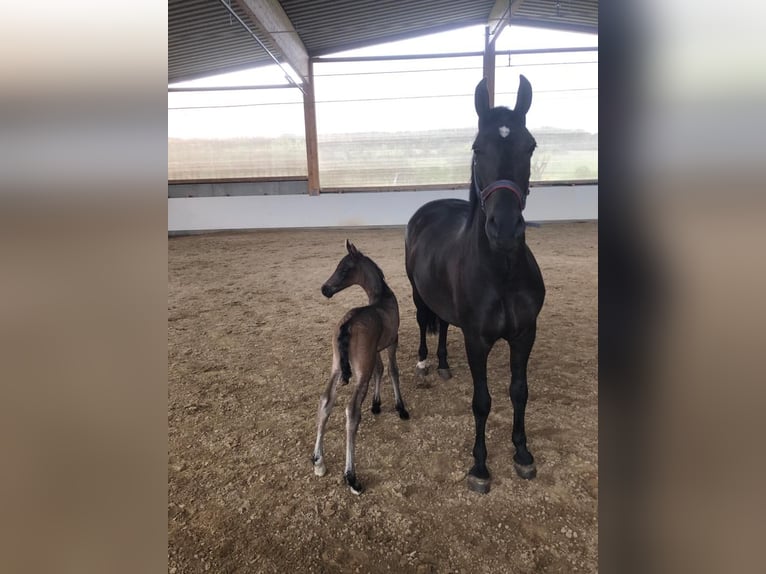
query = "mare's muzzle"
x=504 y=230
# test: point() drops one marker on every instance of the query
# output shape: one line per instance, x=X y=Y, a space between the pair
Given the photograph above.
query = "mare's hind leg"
x=441 y=351
x=377 y=377
x=353 y=416
x=393 y=371
x=520 y=350
x=423 y=314
x=326 y=402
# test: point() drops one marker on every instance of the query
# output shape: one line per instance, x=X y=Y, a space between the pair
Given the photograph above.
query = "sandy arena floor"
x=249 y=354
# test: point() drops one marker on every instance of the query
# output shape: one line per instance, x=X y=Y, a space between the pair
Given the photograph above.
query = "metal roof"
x=204 y=39
x=574 y=15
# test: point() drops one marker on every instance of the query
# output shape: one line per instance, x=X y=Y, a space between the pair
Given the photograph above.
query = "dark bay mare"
x=469 y=266
x=361 y=335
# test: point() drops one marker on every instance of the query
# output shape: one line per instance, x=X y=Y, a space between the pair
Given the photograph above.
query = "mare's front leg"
x=326 y=402
x=477 y=350
x=441 y=351
x=521 y=347
x=353 y=416
x=393 y=371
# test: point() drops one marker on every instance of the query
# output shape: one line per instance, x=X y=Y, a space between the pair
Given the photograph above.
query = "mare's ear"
x=523 y=97
x=481 y=99
x=351 y=248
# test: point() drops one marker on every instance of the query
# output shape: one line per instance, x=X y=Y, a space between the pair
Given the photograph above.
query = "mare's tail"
x=432 y=321
x=344 y=336
x=425 y=315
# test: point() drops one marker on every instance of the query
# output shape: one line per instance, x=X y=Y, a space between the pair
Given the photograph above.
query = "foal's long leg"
x=377 y=377
x=363 y=374
x=477 y=350
x=393 y=371
x=521 y=347
x=441 y=351
x=326 y=402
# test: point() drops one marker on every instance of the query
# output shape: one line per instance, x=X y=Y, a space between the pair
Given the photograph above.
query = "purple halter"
x=486 y=192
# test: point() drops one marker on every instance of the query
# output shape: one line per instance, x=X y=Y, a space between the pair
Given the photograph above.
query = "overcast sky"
x=389 y=96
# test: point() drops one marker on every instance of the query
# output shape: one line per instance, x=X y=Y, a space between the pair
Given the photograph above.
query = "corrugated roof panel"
x=327 y=27
x=204 y=39
x=577 y=15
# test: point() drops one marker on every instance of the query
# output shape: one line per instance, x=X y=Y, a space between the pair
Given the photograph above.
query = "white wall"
x=555 y=203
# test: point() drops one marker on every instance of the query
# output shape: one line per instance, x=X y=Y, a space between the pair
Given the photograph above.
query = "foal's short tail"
x=344 y=336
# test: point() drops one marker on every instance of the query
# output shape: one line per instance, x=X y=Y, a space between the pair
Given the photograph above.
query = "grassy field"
x=376 y=159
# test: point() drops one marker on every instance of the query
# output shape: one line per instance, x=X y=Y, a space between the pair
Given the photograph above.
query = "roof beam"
x=271 y=19
x=500 y=16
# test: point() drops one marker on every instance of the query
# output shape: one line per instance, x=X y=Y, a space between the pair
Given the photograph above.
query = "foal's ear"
x=481 y=98
x=523 y=97
x=351 y=248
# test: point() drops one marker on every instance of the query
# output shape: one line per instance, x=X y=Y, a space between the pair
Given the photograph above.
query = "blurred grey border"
x=83 y=213
x=83 y=287
x=681 y=278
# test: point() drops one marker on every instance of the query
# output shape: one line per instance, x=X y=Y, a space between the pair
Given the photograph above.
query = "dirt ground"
x=249 y=354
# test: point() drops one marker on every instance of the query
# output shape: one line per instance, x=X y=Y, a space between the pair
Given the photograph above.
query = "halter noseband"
x=486 y=192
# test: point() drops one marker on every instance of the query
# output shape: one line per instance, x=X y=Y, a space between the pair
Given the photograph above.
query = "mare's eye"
x=476 y=150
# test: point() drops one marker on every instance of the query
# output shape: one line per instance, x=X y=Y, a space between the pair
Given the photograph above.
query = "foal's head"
x=354 y=269
x=502 y=153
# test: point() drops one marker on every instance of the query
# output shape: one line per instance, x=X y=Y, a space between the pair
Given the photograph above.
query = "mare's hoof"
x=403 y=414
x=445 y=374
x=353 y=483
x=525 y=471
x=375 y=408
x=480 y=485
x=319 y=468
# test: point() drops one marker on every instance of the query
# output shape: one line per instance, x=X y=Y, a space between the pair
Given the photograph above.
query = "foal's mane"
x=377 y=269
x=382 y=287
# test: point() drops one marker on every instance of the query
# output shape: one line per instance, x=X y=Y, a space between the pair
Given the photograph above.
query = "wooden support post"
x=310 y=121
x=499 y=19
x=489 y=66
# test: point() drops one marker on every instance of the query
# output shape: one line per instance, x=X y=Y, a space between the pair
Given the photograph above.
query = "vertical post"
x=310 y=122
x=489 y=66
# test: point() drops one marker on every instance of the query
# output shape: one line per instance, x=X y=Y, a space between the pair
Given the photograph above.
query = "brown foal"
x=358 y=341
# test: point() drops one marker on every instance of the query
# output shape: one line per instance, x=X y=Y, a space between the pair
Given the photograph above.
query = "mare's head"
x=354 y=269
x=502 y=153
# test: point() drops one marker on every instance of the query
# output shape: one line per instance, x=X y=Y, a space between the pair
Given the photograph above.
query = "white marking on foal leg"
x=422 y=364
x=326 y=402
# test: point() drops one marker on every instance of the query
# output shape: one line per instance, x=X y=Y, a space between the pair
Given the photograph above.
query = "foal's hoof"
x=403 y=414
x=353 y=483
x=525 y=471
x=319 y=468
x=375 y=409
x=445 y=374
x=480 y=485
